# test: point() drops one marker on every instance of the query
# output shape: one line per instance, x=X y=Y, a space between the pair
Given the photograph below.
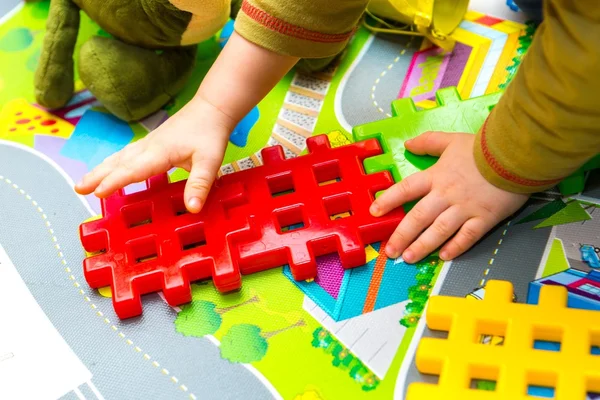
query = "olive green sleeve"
x=300 y=28
x=547 y=124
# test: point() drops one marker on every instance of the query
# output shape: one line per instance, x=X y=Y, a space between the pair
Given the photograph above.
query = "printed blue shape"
x=545 y=345
x=354 y=288
x=397 y=278
x=352 y=299
x=239 y=136
x=543 y=392
x=511 y=4
x=97 y=135
x=591 y=255
x=315 y=292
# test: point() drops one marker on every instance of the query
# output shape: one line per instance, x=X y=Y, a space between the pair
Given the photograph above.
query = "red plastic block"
x=284 y=212
x=305 y=193
x=151 y=243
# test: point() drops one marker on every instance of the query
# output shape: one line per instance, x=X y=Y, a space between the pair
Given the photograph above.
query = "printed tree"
x=341 y=356
x=344 y=359
x=524 y=44
x=201 y=318
x=17 y=39
x=414 y=307
x=246 y=343
x=418 y=294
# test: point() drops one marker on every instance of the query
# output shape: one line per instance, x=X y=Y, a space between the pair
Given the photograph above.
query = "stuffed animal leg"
x=54 y=75
x=130 y=81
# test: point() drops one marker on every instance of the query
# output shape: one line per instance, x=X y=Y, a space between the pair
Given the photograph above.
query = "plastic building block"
x=515 y=366
x=147 y=242
x=452 y=115
x=300 y=204
x=576 y=182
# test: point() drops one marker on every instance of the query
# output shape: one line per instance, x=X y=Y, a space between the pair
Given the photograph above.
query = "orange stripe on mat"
x=375 y=280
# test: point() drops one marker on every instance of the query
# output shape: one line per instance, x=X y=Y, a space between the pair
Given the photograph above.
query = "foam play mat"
x=348 y=334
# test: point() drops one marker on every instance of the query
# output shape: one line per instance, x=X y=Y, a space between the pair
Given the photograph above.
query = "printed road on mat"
x=158 y=359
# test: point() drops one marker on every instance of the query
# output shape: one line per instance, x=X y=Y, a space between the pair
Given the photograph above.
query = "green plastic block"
x=451 y=115
x=576 y=182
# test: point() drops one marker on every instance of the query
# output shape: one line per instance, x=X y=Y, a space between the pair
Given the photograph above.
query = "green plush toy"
x=148 y=61
x=145 y=64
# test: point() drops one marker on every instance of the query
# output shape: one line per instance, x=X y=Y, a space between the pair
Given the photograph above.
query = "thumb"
x=202 y=176
x=430 y=143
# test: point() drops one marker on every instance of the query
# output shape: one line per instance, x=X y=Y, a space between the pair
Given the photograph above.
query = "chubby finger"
x=417 y=220
x=202 y=176
x=408 y=189
x=431 y=143
x=467 y=236
x=92 y=179
x=132 y=170
x=440 y=231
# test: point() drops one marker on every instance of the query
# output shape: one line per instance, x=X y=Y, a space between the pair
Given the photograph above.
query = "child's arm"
x=270 y=37
x=196 y=137
x=546 y=125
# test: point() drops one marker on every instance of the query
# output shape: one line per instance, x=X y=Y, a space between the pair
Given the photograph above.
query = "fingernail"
x=100 y=188
x=195 y=203
x=444 y=255
x=375 y=210
x=408 y=256
x=391 y=251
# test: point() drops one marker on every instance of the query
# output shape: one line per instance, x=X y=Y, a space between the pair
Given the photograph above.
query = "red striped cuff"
x=278 y=25
x=503 y=172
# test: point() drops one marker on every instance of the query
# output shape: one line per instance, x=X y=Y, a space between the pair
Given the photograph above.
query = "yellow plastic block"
x=572 y=371
x=20 y=122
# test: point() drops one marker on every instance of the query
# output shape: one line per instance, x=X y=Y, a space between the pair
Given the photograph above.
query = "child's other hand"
x=194 y=139
x=456 y=201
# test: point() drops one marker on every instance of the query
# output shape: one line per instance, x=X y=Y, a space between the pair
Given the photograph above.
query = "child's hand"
x=194 y=139
x=456 y=198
